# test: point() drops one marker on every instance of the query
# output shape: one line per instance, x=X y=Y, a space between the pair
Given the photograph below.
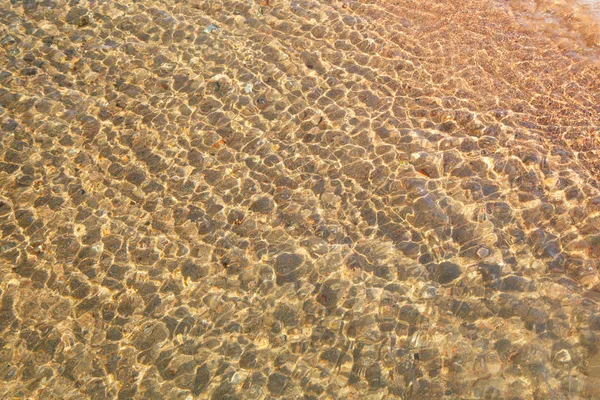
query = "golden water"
x=299 y=199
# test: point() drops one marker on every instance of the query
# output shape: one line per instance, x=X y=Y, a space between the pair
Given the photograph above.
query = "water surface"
x=299 y=199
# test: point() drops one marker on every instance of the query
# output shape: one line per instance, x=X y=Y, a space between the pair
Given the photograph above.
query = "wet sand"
x=299 y=200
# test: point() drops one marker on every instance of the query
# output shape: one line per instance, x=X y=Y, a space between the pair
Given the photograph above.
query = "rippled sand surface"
x=299 y=200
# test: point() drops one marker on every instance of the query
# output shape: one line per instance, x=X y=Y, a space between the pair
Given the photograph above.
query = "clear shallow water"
x=569 y=23
x=594 y=6
x=299 y=200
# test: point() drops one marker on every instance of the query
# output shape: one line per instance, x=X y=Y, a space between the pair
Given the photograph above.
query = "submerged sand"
x=298 y=199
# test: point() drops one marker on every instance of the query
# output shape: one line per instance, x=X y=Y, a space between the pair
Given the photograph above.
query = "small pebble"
x=209 y=28
x=483 y=252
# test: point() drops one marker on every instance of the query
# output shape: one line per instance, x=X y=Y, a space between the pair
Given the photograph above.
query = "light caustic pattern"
x=298 y=199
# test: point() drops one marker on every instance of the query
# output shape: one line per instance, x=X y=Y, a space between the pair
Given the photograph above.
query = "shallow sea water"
x=299 y=199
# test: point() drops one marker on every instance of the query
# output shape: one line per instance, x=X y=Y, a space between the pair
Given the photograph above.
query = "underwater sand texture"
x=297 y=199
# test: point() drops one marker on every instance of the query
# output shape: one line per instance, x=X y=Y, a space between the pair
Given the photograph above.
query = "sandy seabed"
x=299 y=200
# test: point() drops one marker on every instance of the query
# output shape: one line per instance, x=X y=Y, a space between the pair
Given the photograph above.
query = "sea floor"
x=299 y=200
